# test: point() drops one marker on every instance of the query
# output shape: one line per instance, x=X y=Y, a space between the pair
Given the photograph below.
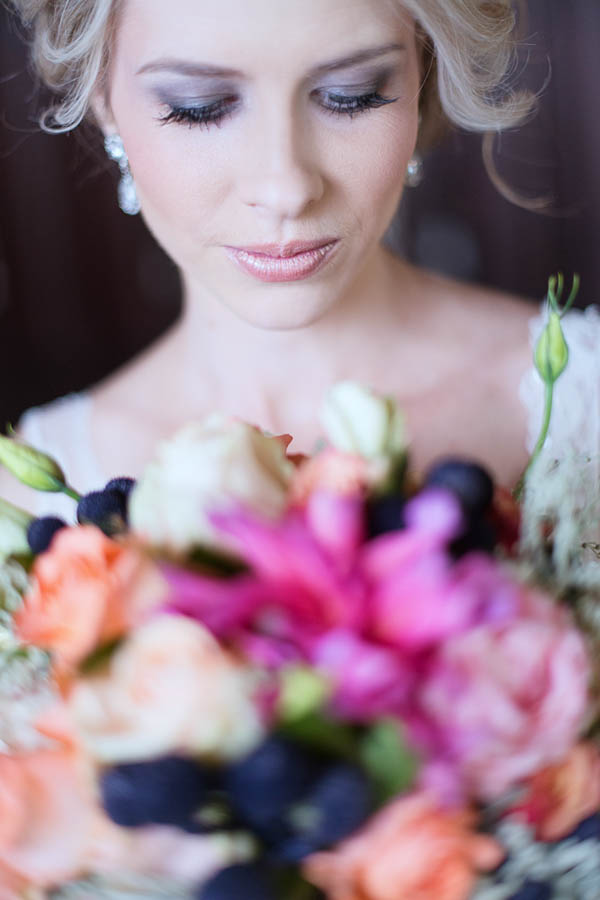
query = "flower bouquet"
x=263 y=676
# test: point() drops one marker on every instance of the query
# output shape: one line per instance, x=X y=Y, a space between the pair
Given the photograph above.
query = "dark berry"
x=41 y=531
x=165 y=791
x=469 y=482
x=266 y=783
x=589 y=828
x=480 y=535
x=244 y=881
x=534 y=890
x=123 y=485
x=385 y=514
x=337 y=805
x=106 y=509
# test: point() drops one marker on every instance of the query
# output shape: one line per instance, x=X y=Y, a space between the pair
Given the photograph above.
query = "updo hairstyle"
x=468 y=60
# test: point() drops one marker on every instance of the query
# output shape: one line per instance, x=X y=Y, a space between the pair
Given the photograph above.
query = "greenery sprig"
x=551 y=358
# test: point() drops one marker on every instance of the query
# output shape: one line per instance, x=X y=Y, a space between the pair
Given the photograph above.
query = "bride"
x=267 y=145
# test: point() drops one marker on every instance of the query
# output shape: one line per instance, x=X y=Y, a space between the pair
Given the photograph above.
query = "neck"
x=257 y=373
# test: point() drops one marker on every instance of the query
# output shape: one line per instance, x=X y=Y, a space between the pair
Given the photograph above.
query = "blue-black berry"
x=41 y=531
x=244 y=881
x=587 y=830
x=123 y=485
x=264 y=785
x=166 y=791
x=106 y=509
x=337 y=805
x=468 y=481
x=534 y=890
x=385 y=514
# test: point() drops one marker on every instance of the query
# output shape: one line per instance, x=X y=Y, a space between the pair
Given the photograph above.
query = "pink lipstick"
x=283 y=262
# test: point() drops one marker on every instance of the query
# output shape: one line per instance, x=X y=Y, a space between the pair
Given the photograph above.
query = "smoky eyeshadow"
x=366 y=80
x=191 y=93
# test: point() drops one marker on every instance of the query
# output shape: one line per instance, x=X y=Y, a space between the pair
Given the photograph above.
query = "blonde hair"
x=468 y=52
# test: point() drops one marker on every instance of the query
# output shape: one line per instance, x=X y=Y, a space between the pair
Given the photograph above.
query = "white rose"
x=357 y=420
x=207 y=466
x=171 y=687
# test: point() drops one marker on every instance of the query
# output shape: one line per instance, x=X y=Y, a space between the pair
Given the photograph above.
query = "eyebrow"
x=181 y=67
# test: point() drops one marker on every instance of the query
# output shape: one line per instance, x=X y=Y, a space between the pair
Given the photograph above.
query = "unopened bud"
x=33 y=468
x=551 y=352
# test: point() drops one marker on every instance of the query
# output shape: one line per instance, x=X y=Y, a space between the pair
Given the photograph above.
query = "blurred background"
x=84 y=287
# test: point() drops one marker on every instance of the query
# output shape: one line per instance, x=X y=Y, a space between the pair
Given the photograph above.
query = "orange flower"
x=559 y=797
x=411 y=850
x=46 y=816
x=87 y=590
x=345 y=474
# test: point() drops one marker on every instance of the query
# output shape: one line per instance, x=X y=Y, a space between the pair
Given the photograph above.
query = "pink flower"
x=420 y=597
x=411 y=850
x=367 y=680
x=47 y=812
x=303 y=581
x=505 y=699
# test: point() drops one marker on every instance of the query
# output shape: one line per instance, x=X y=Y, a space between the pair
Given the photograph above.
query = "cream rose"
x=207 y=466
x=170 y=687
x=357 y=420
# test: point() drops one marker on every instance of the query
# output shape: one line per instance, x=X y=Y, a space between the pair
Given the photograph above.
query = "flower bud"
x=33 y=468
x=13 y=531
x=551 y=352
x=357 y=420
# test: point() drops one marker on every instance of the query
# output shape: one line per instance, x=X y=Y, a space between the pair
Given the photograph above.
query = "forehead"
x=247 y=33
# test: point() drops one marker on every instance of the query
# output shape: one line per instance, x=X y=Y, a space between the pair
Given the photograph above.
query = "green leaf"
x=99 y=657
x=386 y=758
x=324 y=735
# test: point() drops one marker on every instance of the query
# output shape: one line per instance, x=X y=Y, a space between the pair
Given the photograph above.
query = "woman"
x=268 y=153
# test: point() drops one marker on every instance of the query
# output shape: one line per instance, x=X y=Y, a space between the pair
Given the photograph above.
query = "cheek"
x=370 y=168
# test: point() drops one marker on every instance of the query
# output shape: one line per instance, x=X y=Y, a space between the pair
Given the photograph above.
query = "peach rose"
x=346 y=474
x=88 y=589
x=559 y=797
x=411 y=850
x=169 y=687
x=46 y=817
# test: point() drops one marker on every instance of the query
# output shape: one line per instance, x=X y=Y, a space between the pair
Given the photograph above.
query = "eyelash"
x=215 y=113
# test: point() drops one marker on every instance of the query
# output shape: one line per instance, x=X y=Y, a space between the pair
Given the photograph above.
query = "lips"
x=283 y=262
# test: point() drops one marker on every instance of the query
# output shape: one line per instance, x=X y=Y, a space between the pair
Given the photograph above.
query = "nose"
x=282 y=176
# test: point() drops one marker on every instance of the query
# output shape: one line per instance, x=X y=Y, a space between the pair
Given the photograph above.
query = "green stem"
x=70 y=492
x=548 y=397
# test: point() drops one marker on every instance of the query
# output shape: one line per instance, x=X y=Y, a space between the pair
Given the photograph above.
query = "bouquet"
x=264 y=676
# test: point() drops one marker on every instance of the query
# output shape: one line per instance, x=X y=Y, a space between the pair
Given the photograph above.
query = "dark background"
x=84 y=287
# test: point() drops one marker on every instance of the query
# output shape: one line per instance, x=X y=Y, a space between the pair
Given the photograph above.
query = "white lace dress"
x=62 y=428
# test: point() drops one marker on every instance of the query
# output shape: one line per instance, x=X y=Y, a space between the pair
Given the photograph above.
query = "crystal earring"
x=414 y=171
x=128 y=198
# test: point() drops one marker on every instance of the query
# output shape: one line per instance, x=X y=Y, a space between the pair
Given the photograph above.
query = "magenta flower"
x=368 y=680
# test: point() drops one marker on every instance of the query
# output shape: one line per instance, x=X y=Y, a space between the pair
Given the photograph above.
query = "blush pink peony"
x=504 y=700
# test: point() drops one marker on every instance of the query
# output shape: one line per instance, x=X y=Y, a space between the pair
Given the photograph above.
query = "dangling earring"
x=128 y=198
x=414 y=171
